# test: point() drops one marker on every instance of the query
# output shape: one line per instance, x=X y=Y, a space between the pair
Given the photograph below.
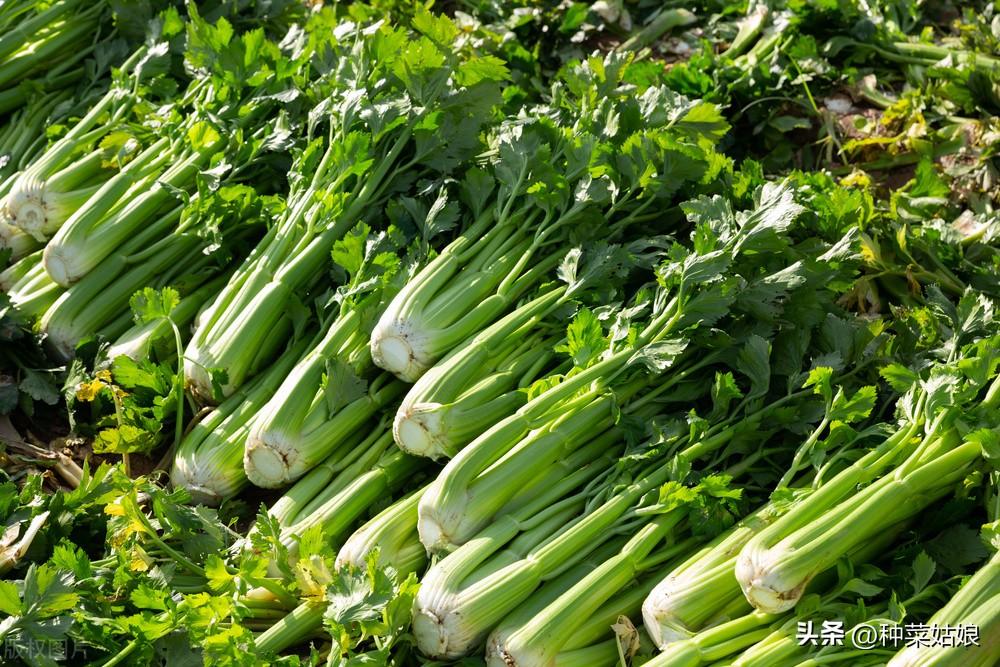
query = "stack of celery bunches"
x=541 y=375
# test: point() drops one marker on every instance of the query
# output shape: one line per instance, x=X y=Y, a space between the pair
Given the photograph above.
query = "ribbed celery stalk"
x=271 y=466
x=61 y=78
x=209 y=461
x=519 y=237
x=444 y=525
x=393 y=532
x=23 y=137
x=22 y=269
x=21 y=29
x=30 y=289
x=12 y=553
x=748 y=630
x=475 y=386
x=775 y=566
x=22 y=141
x=773 y=580
x=464 y=596
x=703 y=588
x=19 y=243
x=99 y=302
x=372 y=477
x=327 y=395
x=717 y=642
x=131 y=202
x=460 y=501
x=374 y=140
x=350 y=494
x=288 y=260
x=749 y=30
x=594 y=639
x=603 y=654
x=462 y=290
x=550 y=592
x=155 y=339
x=360 y=442
x=458 y=601
x=213 y=123
x=976 y=604
x=837 y=601
x=303 y=622
x=537 y=640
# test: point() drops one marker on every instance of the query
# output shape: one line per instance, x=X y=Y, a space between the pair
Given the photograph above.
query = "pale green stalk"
x=776 y=565
x=704 y=587
x=130 y=202
x=477 y=384
x=269 y=464
x=539 y=640
x=393 y=532
x=145 y=340
x=976 y=604
x=455 y=607
x=209 y=461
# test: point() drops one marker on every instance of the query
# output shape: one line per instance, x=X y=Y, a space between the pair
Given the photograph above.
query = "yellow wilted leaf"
x=114 y=509
x=857 y=178
x=313 y=576
x=870 y=250
x=139 y=561
x=87 y=391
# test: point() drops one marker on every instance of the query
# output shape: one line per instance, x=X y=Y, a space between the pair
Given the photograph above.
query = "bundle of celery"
x=753 y=637
x=410 y=107
x=21 y=141
x=209 y=461
x=561 y=177
x=48 y=42
x=683 y=516
x=702 y=327
x=388 y=541
x=334 y=389
x=61 y=179
x=692 y=296
x=944 y=417
x=455 y=609
x=217 y=128
x=203 y=238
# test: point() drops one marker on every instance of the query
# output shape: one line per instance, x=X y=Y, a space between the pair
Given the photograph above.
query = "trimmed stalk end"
x=441 y=635
x=25 y=207
x=497 y=655
x=397 y=348
x=58 y=265
x=31 y=218
x=418 y=431
x=758 y=577
x=268 y=465
x=432 y=532
x=203 y=491
x=661 y=624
